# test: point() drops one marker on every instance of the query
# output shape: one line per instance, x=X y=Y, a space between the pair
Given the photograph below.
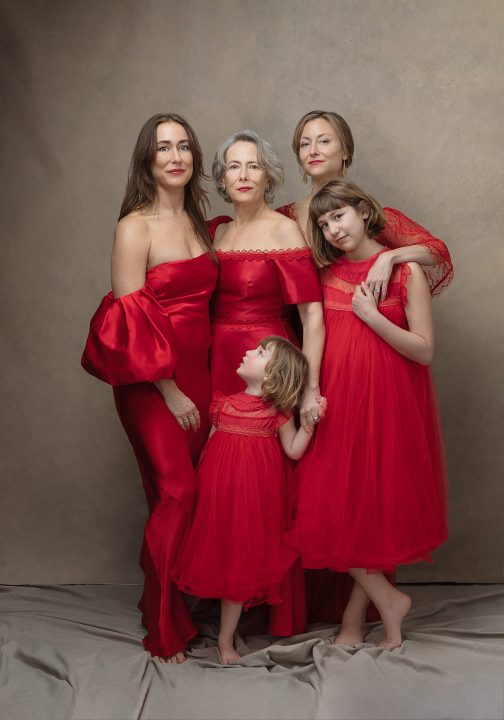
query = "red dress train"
x=252 y=298
x=372 y=485
x=235 y=549
x=158 y=332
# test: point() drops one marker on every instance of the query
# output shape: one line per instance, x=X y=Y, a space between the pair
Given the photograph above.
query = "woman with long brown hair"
x=150 y=339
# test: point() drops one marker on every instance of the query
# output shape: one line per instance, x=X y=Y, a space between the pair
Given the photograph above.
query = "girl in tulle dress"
x=372 y=485
x=235 y=549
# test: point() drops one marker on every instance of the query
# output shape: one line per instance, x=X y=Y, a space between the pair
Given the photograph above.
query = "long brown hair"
x=287 y=373
x=333 y=196
x=141 y=191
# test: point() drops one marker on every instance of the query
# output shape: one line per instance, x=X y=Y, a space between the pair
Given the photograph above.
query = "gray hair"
x=266 y=157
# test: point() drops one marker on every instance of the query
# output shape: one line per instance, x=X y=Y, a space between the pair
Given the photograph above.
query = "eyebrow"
x=169 y=142
x=318 y=136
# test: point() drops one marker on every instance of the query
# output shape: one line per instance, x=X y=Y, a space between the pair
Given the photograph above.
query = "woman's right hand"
x=182 y=407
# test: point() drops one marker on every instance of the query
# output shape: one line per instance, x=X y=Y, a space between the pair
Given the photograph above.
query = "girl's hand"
x=313 y=409
x=182 y=408
x=364 y=303
x=378 y=276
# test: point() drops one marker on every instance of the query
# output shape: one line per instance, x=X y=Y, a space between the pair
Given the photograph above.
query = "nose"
x=313 y=149
x=333 y=229
x=175 y=155
x=243 y=173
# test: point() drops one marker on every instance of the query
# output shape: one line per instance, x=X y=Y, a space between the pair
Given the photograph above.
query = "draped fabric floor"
x=74 y=652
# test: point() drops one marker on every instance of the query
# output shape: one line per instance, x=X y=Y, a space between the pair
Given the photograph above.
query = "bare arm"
x=417 y=343
x=313 y=345
x=130 y=254
x=379 y=275
x=293 y=441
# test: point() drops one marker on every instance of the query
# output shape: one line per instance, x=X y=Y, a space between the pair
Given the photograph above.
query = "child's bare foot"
x=392 y=618
x=176 y=659
x=227 y=652
x=350 y=635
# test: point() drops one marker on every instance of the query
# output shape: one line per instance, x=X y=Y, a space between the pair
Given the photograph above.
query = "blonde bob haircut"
x=286 y=373
x=340 y=127
x=333 y=196
x=267 y=159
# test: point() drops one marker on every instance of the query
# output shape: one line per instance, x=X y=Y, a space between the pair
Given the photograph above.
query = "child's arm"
x=293 y=441
x=212 y=430
x=417 y=343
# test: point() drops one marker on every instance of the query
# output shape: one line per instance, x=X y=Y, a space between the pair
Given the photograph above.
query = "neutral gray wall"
x=421 y=86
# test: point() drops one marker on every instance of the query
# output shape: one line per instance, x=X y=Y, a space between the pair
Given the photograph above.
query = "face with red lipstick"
x=173 y=161
x=246 y=181
x=320 y=151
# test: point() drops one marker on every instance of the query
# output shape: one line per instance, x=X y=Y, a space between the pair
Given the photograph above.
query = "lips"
x=315 y=162
x=244 y=189
x=177 y=171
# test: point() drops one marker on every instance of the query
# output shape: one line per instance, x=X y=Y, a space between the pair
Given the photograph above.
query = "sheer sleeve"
x=287 y=210
x=214 y=224
x=298 y=276
x=130 y=340
x=401 y=231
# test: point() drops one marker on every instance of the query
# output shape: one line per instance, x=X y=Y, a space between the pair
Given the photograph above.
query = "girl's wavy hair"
x=333 y=196
x=267 y=158
x=141 y=190
x=286 y=373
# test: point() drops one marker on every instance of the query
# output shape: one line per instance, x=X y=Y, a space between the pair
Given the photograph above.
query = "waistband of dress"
x=249 y=322
x=256 y=432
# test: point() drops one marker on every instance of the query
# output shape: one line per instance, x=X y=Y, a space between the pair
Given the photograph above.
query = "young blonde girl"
x=235 y=549
x=372 y=485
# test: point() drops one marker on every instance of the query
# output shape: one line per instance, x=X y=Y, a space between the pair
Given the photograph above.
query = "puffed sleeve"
x=298 y=276
x=215 y=222
x=400 y=231
x=130 y=340
x=280 y=418
x=215 y=406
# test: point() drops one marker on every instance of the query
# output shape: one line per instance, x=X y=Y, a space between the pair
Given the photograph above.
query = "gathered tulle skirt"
x=235 y=549
x=372 y=486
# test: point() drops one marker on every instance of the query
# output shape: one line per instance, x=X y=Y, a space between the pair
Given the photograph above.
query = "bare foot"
x=350 y=636
x=176 y=659
x=392 y=618
x=227 y=653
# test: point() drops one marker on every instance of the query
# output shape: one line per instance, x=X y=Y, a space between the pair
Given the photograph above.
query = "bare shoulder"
x=132 y=235
x=221 y=231
x=416 y=281
x=288 y=233
x=416 y=272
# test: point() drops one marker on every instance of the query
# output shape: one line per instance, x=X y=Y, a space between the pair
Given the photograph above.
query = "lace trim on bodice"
x=340 y=280
x=241 y=430
x=245 y=323
x=284 y=253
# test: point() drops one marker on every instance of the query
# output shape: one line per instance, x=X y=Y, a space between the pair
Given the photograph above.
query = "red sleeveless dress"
x=401 y=231
x=235 y=549
x=372 y=485
x=157 y=332
x=253 y=298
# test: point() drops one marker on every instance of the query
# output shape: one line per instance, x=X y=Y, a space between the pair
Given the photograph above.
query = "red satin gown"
x=372 y=485
x=251 y=301
x=235 y=549
x=158 y=332
x=328 y=592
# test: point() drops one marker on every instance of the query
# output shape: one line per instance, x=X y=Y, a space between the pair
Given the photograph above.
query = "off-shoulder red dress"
x=253 y=298
x=401 y=231
x=157 y=332
x=235 y=549
x=372 y=485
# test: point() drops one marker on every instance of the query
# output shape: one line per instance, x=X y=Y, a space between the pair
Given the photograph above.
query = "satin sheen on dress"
x=251 y=301
x=157 y=332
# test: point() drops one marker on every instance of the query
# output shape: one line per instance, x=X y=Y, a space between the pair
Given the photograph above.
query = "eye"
x=253 y=166
x=233 y=166
x=303 y=144
x=163 y=148
x=325 y=141
x=184 y=147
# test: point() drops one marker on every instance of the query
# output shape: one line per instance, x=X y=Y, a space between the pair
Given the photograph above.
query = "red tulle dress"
x=158 y=332
x=401 y=231
x=235 y=549
x=328 y=592
x=372 y=485
x=253 y=299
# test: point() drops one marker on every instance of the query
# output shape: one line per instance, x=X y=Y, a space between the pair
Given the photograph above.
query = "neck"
x=367 y=248
x=319 y=182
x=246 y=213
x=254 y=388
x=170 y=202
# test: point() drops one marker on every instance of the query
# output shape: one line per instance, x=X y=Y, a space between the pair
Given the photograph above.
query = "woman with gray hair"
x=264 y=268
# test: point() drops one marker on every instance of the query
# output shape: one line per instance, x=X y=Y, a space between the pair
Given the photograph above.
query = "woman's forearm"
x=313 y=340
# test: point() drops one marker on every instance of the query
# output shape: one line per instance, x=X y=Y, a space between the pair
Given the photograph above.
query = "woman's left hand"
x=378 y=276
x=364 y=303
x=313 y=409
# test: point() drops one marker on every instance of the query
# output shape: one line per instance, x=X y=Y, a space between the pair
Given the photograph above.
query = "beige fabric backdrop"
x=421 y=86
